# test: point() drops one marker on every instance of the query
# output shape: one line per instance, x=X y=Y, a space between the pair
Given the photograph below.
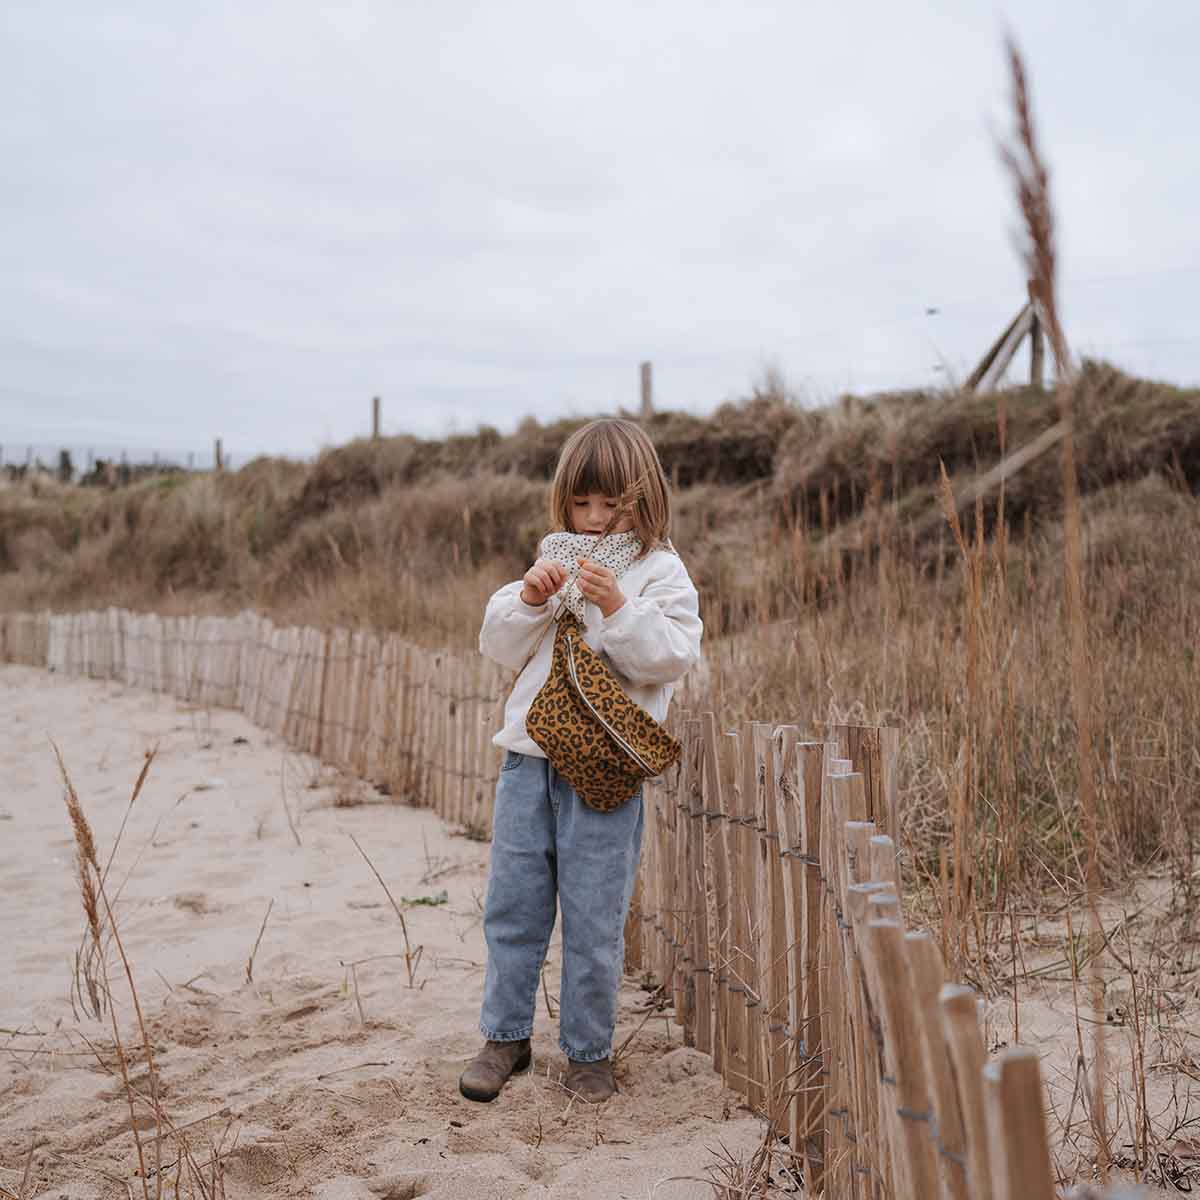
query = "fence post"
x=737 y=956
x=774 y=974
x=960 y=1023
x=717 y=899
x=692 y=812
x=647 y=372
x=909 y=1112
x=218 y=457
x=374 y=418
x=1021 y=1168
x=758 y=931
x=926 y=974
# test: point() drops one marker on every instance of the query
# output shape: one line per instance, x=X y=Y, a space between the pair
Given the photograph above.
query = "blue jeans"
x=546 y=841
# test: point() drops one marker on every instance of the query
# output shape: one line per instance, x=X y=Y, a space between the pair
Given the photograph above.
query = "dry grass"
x=192 y=1178
x=819 y=600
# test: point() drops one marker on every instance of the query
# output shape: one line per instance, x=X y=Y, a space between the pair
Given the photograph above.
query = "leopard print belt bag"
x=602 y=743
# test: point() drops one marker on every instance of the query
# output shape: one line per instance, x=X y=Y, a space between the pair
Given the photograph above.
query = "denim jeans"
x=547 y=842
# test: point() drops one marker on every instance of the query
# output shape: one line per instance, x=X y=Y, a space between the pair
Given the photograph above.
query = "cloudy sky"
x=246 y=220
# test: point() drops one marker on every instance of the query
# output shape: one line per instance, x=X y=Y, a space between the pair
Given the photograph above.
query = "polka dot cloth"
x=617 y=552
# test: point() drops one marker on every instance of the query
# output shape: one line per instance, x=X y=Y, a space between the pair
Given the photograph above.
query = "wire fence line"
x=767 y=906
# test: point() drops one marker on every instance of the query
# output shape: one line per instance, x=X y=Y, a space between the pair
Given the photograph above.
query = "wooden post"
x=810 y=1136
x=1021 y=1168
x=830 y=969
x=757 y=867
x=717 y=900
x=925 y=974
x=752 y=929
x=375 y=418
x=881 y=851
x=1037 y=353
x=789 y=822
x=218 y=458
x=774 y=974
x=737 y=956
x=858 y=913
x=680 y=894
x=994 y=363
x=916 y=1162
x=701 y=965
x=964 y=1040
x=664 y=892
x=884 y=905
x=647 y=391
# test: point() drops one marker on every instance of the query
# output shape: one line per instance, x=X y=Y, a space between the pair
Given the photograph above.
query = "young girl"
x=639 y=610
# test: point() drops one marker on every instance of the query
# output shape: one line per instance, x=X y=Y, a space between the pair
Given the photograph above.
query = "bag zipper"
x=612 y=733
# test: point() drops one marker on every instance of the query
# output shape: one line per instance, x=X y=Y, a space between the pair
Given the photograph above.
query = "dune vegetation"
x=831 y=584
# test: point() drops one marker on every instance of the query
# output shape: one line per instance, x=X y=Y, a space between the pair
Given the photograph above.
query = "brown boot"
x=590 y=1081
x=491 y=1068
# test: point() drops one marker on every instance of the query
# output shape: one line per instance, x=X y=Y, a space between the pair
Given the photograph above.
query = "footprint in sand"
x=193 y=902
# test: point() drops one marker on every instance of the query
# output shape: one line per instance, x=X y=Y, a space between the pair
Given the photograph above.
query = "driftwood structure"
x=1029 y=323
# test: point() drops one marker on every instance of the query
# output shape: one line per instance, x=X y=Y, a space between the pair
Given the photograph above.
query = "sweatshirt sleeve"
x=654 y=638
x=511 y=627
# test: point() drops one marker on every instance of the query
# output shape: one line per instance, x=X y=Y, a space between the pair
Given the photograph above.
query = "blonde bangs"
x=610 y=456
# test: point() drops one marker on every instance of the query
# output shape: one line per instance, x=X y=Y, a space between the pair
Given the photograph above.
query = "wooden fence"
x=767 y=906
x=416 y=722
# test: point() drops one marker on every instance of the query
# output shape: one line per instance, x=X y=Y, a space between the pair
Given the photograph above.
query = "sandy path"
x=321 y=1102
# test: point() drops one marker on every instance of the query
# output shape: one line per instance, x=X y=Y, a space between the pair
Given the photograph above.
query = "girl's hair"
x=614 y=457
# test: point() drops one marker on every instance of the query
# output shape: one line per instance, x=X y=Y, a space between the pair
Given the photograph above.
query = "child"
x=639 y=609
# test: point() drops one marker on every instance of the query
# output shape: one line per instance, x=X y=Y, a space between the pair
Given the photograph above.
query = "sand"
x=309 y=1085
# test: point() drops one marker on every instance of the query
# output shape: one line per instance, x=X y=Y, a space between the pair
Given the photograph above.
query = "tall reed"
x=1031 y=182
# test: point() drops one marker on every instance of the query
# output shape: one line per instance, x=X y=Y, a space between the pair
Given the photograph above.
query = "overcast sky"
x=247 y=219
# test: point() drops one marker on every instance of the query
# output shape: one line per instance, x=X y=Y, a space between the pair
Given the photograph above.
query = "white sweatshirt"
x=650 y=642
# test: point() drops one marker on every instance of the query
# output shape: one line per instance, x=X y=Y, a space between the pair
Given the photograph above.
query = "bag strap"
x=554 y=620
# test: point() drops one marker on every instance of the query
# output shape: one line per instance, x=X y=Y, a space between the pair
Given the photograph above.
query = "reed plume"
x=85 y=852
x=626 y=503
x=1031 y=180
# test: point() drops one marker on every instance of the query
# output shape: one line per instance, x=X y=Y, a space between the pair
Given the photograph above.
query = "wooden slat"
x=790 y=823
x=777 y=989
x=755 y=900
x=964 y=1041
x=678 y=899
x=1021 y=1167
x=916 y=1164
x=717 y=896
x=926 y=975
x=809 y=1134
x=698 y=940
x=737 y=963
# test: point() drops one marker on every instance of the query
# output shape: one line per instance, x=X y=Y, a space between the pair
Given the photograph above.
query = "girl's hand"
x=541 y=582
x=600 y=586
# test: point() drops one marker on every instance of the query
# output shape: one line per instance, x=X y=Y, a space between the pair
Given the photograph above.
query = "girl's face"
x=592 y=513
